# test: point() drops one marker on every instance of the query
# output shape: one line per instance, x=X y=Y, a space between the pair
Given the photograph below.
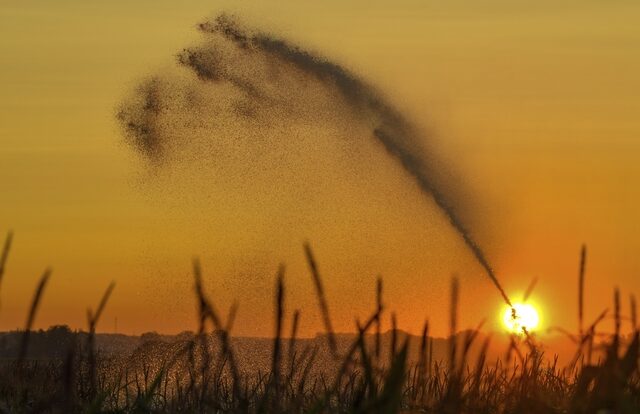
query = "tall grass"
x=372 y=373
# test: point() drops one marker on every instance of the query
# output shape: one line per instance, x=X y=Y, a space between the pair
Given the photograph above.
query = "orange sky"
x=536 y=106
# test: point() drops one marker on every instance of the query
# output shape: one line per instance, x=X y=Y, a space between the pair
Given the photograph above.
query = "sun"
x=525 y=318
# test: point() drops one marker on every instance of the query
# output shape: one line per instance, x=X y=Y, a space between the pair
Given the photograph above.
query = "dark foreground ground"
x=59 y=371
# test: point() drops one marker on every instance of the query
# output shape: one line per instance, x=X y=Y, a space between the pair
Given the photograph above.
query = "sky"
x=534 y=104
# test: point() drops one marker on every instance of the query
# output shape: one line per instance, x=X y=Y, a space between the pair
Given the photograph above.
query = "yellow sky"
x=536 y=105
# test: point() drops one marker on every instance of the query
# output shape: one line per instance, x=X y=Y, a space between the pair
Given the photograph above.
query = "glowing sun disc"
x=526 y=317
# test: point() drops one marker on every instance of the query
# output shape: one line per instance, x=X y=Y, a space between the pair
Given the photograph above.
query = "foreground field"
x=209 y=371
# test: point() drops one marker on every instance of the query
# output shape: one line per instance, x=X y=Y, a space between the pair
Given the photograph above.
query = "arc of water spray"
x=392 y=130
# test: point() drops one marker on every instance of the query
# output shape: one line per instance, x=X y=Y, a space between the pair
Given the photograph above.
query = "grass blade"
x=37 y=297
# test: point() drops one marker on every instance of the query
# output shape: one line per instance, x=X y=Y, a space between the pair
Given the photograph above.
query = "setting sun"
x=525 y=318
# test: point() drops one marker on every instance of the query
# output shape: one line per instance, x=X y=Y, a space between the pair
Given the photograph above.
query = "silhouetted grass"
x=5 y=254
x=32 y=314
x=204 y=372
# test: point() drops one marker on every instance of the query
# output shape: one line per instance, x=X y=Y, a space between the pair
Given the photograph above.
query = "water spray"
x=261 y=69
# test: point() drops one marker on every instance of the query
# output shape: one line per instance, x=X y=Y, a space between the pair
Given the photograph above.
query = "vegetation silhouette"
x=62 y=371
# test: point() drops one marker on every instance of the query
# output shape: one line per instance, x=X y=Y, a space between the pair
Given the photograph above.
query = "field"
x=368 y=372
